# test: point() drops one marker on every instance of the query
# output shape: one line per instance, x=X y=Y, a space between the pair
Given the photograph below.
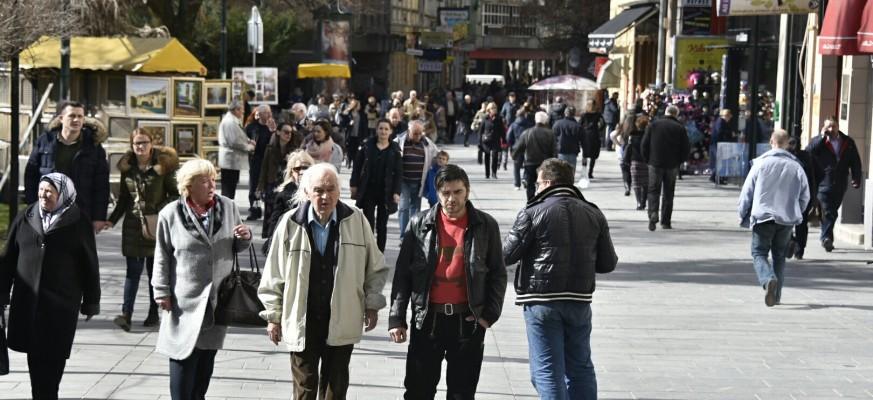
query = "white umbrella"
x=565 y=82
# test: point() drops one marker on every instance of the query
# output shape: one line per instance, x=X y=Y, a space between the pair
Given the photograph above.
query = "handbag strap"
x=253 y=259
x=235 y=268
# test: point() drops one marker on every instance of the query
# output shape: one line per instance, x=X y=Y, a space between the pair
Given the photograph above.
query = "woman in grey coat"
x=197 y=236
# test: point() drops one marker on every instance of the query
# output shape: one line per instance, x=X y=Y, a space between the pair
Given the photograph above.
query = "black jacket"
x=53 y=276
x=362 y=173
x=536 y=144
x=417 y=261
x=665 y=143
x=559 y=240
x=830 y=174
x=569 y=135
x=90 y=174
x=593 y=127
x=632 y=150
x=808 y=164
x=492 y=132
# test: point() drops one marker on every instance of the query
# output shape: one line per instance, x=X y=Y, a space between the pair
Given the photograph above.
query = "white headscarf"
x=66 y=198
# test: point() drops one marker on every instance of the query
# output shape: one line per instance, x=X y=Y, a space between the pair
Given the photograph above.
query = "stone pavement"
x=681 y=318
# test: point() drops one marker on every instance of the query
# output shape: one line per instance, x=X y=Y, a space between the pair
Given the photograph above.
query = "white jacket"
x=360 y=275
x=233 y=150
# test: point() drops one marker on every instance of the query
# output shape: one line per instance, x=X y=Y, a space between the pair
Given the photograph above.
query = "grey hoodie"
x=775 y=190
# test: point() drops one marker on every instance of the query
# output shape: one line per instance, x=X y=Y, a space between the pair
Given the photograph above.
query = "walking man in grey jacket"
x=233 y=149
x=772 y=201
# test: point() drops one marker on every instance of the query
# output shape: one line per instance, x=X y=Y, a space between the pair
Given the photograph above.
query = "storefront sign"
x=453 y=16
x=696 y=3
x=696 y=21
x=766 y=7
x=430 y=66
x=435 y=40
x=695 y=56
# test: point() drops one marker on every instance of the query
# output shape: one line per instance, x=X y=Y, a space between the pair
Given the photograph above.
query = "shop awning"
x=865 y=32
x=839 y=31
x=602 y=39
x=512 y=54
x=609 y=75
x=132 y=54
x=323 y=71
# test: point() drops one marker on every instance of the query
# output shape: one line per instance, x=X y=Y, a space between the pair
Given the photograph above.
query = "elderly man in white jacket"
x=772 y=201
x=322 y=284
x=233 y=148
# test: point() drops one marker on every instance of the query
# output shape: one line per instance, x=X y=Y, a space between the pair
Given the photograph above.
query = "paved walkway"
x=681 y=318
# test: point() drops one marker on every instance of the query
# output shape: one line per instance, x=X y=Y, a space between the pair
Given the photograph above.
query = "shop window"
x=846 y=85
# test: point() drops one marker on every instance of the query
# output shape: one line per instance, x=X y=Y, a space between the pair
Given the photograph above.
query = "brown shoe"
x=123 y=322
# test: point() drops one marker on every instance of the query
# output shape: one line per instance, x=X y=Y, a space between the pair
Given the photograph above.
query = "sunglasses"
x=300 y=168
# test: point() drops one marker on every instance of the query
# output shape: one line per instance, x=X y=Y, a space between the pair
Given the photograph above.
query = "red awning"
x=512 y=54
x=839 y=31
x=865 y=32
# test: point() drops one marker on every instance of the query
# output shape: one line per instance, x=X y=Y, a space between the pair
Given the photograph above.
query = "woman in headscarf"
x=198 y=236
x=48 y=293
x=148 y=183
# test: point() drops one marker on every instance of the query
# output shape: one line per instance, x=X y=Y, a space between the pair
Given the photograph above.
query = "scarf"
x=66 y=198
x=202 y=213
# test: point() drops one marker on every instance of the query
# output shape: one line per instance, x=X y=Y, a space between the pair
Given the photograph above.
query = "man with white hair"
x=298 y=111
x=772 y=202
x=233 y=148
x=410 y=106
x=323 y=254
x=536 y=144
x=417 y=153
x=665 y=147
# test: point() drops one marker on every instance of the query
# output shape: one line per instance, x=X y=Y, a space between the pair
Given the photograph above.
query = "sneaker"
x=828 y=245
x=123 y=322
x=652 y=225
x=770 y=297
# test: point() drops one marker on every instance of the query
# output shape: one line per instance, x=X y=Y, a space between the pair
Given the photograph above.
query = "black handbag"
x=238 y=303
x=4 y=350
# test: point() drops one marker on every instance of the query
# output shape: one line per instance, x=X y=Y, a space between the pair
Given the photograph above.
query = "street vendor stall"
x=575 y=90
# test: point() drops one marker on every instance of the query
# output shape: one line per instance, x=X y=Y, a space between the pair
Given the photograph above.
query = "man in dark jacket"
x=510 y=107
x=556 y=110
x=260 y=131
x=568 y=133
x=721 y=132
x=521 y=124
x=73 y=149
x=611 y=114
x=801 y=231
x=665 y=147
x=456 y=290
x=536 y=145
x=560 y=241
x=834 y=154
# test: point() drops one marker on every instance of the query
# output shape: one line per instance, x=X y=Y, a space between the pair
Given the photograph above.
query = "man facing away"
x=417 y=153
x=665 y=147
x=772 y=201
x=559 y=241
x=536 y=145
x=568 y=133
x=233 y=148
x=451 y=269
x=834 y=154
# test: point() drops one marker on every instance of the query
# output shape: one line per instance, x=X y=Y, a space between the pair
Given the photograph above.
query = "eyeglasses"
x=300 y=168
x=143 y=144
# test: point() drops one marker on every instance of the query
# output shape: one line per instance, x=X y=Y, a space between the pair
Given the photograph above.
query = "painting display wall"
x=263 y=81
x=148 y=97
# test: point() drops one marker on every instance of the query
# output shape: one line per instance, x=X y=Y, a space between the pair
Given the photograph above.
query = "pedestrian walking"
x=322 y=284
x=797 y=245
x=592 y=135
x=556 y=110
x=772 y=201
x=513 y=134
x=374 y=113
x=272 y=171
x=665 y=147
x=196 y=241
x=148 y=183
x=468 y=112
x=835 y=155
x=721 y=133
x=492 y=132
x=509 y=109
x=352 y=132
x=321 y=146
x=260 y=131
x=430 y=190
x=375 y=180
x=452 y=113
x=611 y=115
x=50 y=265
x=398 y=125
x=450 y=270
x=318 y=110
x=568 y=133
x=536 y=145
x=559 y=241
x=233 y=148
x=72 y=146
x=298 y=162
x=417 y=153
x=621 y=139
x=639 y=169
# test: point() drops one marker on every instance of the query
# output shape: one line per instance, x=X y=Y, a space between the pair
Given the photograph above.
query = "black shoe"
x=770 y=297
x=798 y=254
x=641 y=207
x=652 y=225
x=828 y=245
x=152 y=319
x=590 y=176
x=627 y=192
x=666 y=226
x=255 y=214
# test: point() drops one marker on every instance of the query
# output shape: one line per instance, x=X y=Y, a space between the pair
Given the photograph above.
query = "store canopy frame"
x=840 y=28
x=865 y=32
x=316 y=71
x=602 y=39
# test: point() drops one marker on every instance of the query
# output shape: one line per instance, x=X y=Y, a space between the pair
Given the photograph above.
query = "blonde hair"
x=301 y=156
x=192 y=169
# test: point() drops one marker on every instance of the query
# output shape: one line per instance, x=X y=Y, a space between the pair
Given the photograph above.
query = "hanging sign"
x=766 y=7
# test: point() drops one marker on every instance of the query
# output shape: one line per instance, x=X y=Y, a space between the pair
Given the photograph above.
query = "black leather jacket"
x=416 y=264
x=559 y=240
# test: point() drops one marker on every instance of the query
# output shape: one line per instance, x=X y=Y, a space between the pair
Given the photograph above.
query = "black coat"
x=417 y=262
x=492 y=132
x=90 y=173
x=632 y=150
x=568 y=133
x=832 y=175
x=559 y=240
x=53 y=276
x=665 y=143
x=282 y=202
x=593 y=128
x=808 y=164
x=362 y=172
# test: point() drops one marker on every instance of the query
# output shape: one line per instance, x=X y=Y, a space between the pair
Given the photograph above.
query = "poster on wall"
x=766 y=7
x=454 y=19
x=696 y=56
x=335 y=42
x=263 y=81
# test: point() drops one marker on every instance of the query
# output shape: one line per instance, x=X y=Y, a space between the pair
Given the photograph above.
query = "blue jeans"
x=559 y=345
x=410 y=203
x=767 y=238
x=131 y=282
x=570 y=158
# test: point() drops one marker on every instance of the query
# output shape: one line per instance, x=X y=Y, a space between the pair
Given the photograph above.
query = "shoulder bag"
x=238 y=303
x=148 y=222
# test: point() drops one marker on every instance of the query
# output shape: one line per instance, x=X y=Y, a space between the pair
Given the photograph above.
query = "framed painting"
x=187 y=98
x=158 y=130
x=148 y=97
x=211 y=153
x=216 y=94
x=210 y=127
x=185 y=139
x=120 y=128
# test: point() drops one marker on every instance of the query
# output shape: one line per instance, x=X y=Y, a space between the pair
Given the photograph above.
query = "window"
x=4 y=90
x=504 y=20
x=846 y=85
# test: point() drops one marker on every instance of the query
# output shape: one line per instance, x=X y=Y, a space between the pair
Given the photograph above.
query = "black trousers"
x=189 y=378
x=530 y=178
x=830 y=201
x=377 y=215
x=658 y=178
x=46 y=371
x=328 y=381
x=801 y=231
x=353 y=143
x=229 y=180
x=451 y=128
x=492 y=161
x=451 y=337
x=254 y=175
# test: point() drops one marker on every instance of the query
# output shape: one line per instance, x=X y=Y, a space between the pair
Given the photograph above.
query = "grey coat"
x=233 y=150
x=189 y=266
